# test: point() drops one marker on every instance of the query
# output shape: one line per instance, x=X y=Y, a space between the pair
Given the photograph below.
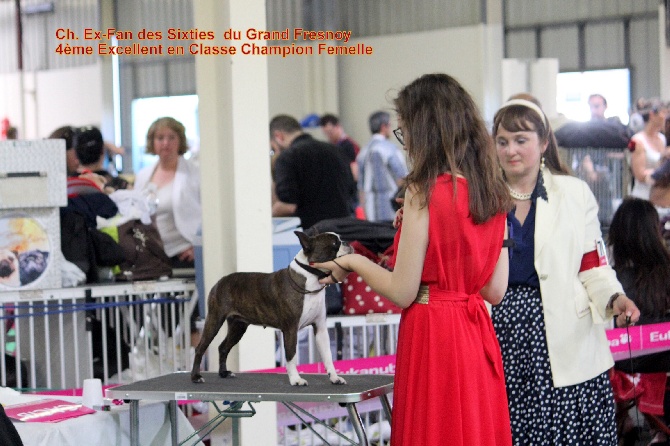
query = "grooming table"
x=246 y=388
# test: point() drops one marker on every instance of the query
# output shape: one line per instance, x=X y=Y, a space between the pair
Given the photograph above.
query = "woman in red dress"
x=449 y=383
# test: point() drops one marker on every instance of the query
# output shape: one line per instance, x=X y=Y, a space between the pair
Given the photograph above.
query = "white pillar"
x=664 y=52
x=235 y=169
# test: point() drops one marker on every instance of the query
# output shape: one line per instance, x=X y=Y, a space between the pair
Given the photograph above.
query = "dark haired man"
x=332 y=128
x=312 y=178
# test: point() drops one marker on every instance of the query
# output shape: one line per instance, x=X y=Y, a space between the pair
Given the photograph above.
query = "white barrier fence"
x=119 y=332
x=125 y=332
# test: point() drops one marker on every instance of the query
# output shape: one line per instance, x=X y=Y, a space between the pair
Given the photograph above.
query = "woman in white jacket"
x=550 y=322
x=176 y=182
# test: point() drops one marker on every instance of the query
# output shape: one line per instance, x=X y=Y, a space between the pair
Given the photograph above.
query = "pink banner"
x=635 y=341
x=46 y=411
x=639 y=340
x=378 y=365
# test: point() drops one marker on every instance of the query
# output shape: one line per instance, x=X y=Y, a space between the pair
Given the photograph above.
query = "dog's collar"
x=310 y=269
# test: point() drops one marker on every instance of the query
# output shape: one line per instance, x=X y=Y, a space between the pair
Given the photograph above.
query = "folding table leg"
x=135 y=423
x=236 y=432
x=357 y=423
x=386 y=406
x=174 y=428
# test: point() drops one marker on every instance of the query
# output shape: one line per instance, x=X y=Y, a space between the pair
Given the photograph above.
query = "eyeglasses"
x=398 y=134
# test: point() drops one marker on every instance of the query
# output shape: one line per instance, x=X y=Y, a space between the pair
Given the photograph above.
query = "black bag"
x=107 y=251
x=145 y=258
x=76 y=243
x=596 y=134
x=334 y=302
x=377 y=236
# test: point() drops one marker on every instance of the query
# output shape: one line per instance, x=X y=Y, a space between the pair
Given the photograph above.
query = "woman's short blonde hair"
x=173 y=125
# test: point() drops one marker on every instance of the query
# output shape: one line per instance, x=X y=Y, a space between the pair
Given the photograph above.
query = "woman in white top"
x=648 y=145
x=177 y=185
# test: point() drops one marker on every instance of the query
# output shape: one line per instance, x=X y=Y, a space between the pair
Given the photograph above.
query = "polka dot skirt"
x=540 y=414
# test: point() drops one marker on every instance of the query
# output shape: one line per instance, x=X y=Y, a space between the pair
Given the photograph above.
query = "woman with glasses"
x=561 y=291
x=449 y=259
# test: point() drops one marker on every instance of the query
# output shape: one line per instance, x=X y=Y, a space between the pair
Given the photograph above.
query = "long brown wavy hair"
x=444 y=132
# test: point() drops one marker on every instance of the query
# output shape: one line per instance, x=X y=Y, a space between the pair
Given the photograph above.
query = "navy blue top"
x=522 y=265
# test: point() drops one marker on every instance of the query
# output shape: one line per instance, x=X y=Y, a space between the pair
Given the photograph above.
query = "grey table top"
x=255 y=387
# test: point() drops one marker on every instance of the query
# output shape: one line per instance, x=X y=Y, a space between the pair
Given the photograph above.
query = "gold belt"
x=422 y=295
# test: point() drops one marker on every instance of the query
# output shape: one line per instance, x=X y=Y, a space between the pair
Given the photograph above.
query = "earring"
x=542 y=163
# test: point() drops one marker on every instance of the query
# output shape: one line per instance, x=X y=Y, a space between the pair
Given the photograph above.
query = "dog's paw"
x=226 y=374
x=298 y=382
x=197 y=379
x=336 y=379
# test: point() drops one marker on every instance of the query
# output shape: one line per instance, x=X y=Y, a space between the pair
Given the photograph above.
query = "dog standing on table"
x=289 y=299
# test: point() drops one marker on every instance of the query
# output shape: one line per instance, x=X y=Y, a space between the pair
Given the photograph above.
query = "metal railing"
x=121 y=332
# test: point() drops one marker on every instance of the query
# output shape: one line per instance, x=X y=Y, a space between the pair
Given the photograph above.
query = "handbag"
x=107 y=251
x=145 y=258
x=357 y=296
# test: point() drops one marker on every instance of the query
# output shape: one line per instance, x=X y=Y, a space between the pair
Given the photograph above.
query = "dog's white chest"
x=313 y=308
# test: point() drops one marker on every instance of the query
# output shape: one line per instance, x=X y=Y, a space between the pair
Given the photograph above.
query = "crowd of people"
x=499 y=261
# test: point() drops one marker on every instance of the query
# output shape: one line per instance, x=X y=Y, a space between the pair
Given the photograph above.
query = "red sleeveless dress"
x=449 y=384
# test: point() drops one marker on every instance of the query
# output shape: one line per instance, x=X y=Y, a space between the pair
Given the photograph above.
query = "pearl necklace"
x=518 y=195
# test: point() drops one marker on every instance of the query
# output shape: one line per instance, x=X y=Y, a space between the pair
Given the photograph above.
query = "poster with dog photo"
x=25 y=251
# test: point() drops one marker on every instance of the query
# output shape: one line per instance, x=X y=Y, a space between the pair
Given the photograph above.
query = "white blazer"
x=567 y=227
x=185 y=196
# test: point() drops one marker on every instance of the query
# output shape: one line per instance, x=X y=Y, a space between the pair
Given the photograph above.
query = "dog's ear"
x=305 y=241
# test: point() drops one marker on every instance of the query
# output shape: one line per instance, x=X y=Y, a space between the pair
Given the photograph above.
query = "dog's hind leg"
x=236 y=329
x=212 y=326
x=323 y=345
x=290 y=348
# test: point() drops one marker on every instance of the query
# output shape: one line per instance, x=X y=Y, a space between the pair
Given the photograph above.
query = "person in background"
x=597 y=105
x=641 y=258
x=86 y=201
x=449 y=385
x=555 y=353
x=642 y=264
x=12 y=133
x=312 y=178
x=649 y=146
x=381 y=170
x=175 y=181
x=78 y=182
x=91 y=151
x=8 y=433
x=67 y=133
x=332 y=128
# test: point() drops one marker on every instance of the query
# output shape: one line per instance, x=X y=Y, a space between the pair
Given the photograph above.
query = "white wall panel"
x=8 y=49
x=533 y=12
x=181 y=76
x=521 y=45
x=561 y=44
x=604 y=45
x=367 y=84
x=644 y=58
x=150 y=80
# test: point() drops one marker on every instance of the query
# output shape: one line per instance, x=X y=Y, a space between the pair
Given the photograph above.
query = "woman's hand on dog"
x=339 y=269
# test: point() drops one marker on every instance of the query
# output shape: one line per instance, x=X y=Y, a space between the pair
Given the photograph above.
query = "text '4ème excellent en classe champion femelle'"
x=251 y=41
